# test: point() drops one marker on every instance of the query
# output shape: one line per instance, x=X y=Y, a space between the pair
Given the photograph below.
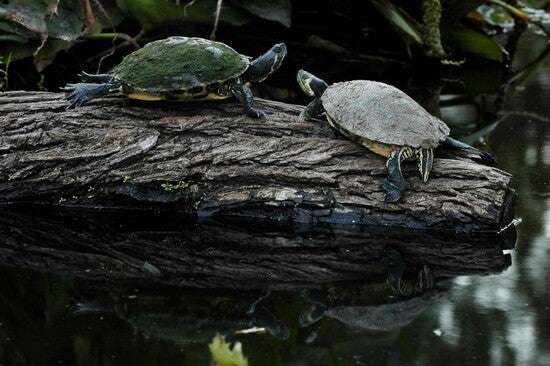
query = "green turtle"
x=182 y=69
x=383 y=119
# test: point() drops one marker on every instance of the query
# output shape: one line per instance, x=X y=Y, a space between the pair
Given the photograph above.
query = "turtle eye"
x=277 y=49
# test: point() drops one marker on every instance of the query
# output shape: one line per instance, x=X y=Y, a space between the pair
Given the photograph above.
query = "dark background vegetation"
x=45 y=43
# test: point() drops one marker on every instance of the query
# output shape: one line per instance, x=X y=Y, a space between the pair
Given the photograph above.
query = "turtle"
x=383 y=119
x=182 y=69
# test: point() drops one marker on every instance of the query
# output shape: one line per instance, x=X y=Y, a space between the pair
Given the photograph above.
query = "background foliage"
x=47 y=42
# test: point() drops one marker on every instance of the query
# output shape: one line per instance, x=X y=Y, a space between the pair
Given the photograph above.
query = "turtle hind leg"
x=395 y=184
x=425 y=159
x=78 y=94
x=313 y=109
x=245 y=96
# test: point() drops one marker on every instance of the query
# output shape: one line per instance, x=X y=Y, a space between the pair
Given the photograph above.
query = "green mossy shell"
x=382 y=113
x=177 y=63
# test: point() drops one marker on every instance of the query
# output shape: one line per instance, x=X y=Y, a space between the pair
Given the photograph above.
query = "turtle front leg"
x=313 y=109
x=245 y=96
x=395 y=184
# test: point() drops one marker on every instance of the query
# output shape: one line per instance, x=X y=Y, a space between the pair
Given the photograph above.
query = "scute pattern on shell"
x=177 y=63
x=382 y=113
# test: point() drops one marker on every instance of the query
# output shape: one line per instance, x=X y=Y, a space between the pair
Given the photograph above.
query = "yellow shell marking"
x=216 y=97
x=384 y=152
x=143 y=96
x=198 y=93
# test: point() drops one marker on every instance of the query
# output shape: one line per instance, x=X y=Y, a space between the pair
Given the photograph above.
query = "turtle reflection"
x=190 y=319
x=376 y=306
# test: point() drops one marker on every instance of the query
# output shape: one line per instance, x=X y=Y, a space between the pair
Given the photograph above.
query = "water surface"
x=493 y=313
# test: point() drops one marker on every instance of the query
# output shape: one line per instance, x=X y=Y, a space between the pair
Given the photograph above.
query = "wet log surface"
x=172 y=251
x=210 y=159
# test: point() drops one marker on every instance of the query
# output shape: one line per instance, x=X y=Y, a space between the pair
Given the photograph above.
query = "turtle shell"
x=177 y=63
x=382 y=113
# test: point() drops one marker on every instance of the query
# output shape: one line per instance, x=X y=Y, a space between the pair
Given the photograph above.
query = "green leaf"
x=223 y=355
x=275 y=10
x=66 y=24
x=152 y=14
x=17 y=50
x=47 y=53
x=405 y=26
x=25 y=18
x=12 y=38
x=470 y=42
x=44 y=27
x=108 y=16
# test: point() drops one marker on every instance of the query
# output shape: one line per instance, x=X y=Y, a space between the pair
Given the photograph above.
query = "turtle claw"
x=257 y=113
x=75 y=95
x=393 y=191
x=245 y=96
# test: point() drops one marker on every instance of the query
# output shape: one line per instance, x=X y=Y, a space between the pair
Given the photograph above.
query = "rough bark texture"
x=211 y=159
x=152 y=248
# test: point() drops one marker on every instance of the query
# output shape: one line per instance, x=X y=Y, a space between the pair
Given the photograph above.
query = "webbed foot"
x=80 y=93
x=395 y=184
x=76 y=94
x=394 y=190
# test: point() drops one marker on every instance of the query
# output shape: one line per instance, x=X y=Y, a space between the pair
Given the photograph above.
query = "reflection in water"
x=195 y=318
x=353 y=306
x=102 y=316
x=510 y=311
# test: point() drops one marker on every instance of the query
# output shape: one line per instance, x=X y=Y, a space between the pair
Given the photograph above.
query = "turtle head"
x=311 y=84
x=266 y=64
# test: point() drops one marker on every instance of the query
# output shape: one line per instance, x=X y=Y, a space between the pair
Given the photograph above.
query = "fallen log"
x=210 y=159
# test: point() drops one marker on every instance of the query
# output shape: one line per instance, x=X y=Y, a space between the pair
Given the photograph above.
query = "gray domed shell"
x=177 y=63
x=382 y=113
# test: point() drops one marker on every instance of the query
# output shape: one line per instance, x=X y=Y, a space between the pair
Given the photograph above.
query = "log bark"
x=155 y=249
x=210 y=159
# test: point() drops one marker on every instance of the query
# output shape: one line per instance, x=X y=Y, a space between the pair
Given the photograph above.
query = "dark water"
x=482 y=311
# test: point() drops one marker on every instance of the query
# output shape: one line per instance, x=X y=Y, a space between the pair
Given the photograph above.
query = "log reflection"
x=167 y=249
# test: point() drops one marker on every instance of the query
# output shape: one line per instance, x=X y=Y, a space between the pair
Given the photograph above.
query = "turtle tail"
x=478 y=155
